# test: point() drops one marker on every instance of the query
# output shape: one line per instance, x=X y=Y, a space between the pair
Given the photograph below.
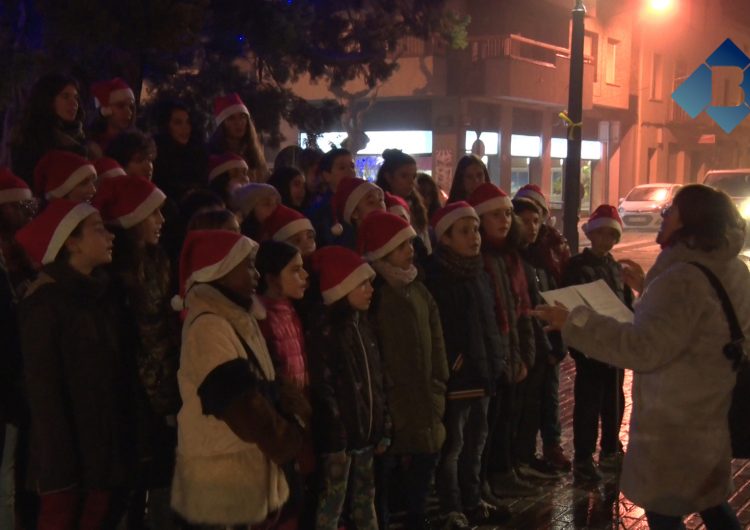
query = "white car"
x=736 y=184
x=642 y=207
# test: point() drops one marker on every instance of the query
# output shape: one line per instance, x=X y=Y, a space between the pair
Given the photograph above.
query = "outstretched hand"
x=633 y=274
x=555 y=316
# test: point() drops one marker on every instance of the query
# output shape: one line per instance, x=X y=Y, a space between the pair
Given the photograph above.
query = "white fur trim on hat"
x=226 y=166
x=600 y=223
x=231 y=109
x=495 y=203
x=241 y=249
x=357 y=276
x=357 y=195
x=72 y=181
x=69 y=223
x=447 y=221
x=114 y=172
x=399 y=237
x=400 y=211
x=538 y=198
x=152 y=202
x=290 y=229
x=15 y=195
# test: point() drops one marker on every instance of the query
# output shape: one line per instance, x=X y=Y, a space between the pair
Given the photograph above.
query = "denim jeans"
x=721 y=517
x=410 y=476
x=458 y=474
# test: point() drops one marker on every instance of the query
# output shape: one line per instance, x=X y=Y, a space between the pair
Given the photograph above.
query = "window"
x=591 y=49
x=519 y=173
x=657 y=77
x=610 y=75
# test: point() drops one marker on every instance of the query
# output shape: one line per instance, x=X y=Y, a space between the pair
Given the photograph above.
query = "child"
x=291 y=185
x=350 y=422
x=64 y=175
x=77 y=382
x=131 y=208
x=226 y=173
x=254 y=203
x=598 y=386
x=411 y=339
x=17 y=208
x=353 y=200
x=290 y=226
x=236 y=426
x=215 y=220
x=135 y=152
x=107 y=167
x=470 y=173
x=115 y=101
x=476 y=359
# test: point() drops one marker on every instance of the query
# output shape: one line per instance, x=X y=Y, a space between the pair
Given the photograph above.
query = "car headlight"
x=745 y=208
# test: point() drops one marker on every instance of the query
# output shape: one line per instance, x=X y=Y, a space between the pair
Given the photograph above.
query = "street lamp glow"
x=660 y=6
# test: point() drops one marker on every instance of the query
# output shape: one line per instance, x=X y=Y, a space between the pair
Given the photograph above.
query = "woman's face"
x=304 y=241
x=670 y=223
x=343 y=166
x=402 y=180
x=361 y=296
x=180 y=127
x=297 y=190
x=292 y=280
x=93 y=246
x=122 y=115
x=148 y=231
x=235 y=126
x=84 y=190
x=473 y=177
x=66 y=103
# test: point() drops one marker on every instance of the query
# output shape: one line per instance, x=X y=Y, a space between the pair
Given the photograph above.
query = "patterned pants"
x=342 y=471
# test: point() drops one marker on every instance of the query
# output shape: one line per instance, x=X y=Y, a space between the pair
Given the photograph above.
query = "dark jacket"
x=543 y=279
x=415 y=365
x=77 y=381
x=346 y=382
x=179 y=168
x=10 y=358
x=26 y=154
x=321 y=215
x=543 y=341
x=476 y=356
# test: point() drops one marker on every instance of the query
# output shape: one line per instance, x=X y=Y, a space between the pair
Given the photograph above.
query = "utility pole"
x=572 y=182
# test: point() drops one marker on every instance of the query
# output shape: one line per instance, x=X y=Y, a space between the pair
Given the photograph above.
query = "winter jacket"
x=320 y=213
x=179 y=168
x=78 y=381
x=286 y=342
x=346 y=382
x=550 y=252
x=219 y=478
x=414 y=364
x=542 y=279
x=477 y=358
x=67 y=136
x=678 y=459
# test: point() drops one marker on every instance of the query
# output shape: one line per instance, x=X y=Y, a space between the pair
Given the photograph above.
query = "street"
x=638 y=246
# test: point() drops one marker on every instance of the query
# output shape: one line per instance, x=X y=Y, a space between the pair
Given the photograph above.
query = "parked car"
x=642 y=207
x=736 y=184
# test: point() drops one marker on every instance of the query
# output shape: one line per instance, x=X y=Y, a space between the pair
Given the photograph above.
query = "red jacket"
x=282 y=330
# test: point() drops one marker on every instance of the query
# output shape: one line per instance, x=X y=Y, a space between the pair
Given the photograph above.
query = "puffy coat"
x=678 y=459
x=286 y=342
x=414 y=364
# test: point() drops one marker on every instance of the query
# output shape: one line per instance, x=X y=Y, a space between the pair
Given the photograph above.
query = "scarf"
x=462 y=266
x=395 y=276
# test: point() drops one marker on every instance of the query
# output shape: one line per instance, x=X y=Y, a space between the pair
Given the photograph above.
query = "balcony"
x=517 y=68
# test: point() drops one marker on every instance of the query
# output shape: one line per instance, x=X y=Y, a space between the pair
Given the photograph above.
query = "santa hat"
x=488 y=197
x=381 y=233
x=533 y=193
x=285 y=222
x=245 y=198
x=219 y=164
x=349 y=192
x=444 y=218
x=604 y=216
x=340 y=270
x=208 y=255
x=107 y=93
x=58 y=172
x=108 y=167
x=225 y=106
x=126 y=201
x=46 y=234
x=397 y=205
x=12 y=188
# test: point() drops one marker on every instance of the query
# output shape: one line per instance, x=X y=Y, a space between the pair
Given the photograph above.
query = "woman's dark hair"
x=458 y=191
x=328 y=159
x=709 y=218
x=128 y=144
x=128 y=259
x=210 y=220
x=272 y=257
x=252 y=150
x=162 y=115
x=63 y=256
x=289 y=156
x=434 y=196
x=281 y=179
x=393 y=159
x=218 y=185
x=309 y=159
x=197 y=200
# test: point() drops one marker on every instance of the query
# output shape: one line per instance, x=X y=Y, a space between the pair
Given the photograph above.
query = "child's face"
x=603 y=239
x=238 y=177
x=531 y=223
x=292 y=281
x=403 y=255
x=402 y=180
x=463 y=238
x=84 y=190
x=297 y=190
x=141 y=165
x=122 y=115
x=304 y=241
x=235 y=126
x=265 y=207
x=93 y=247
x=15 y=215
x=496 y=223
x=342 y=167
x=148 y=231
x=473 y=177
x=372 y=201
x=361 y=296
x=243 y=279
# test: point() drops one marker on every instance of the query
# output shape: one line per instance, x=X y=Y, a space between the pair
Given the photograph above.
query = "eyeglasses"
x=666 y=211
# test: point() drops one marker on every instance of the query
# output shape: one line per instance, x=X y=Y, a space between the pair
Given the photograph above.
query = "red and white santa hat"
x=284 y=223
x=604 y=216
x=444 y=218
x=58 y=172
x=349 y=192
x=126 y=201
x=12 y=188
x=245 y=198
x=397 y=205
x=108 y=167
x=488 y=197
x=381 y=233
x=46 y=234
x=107 y=93
x=208 y=255
x=340 y=271
x=219 y=164
x=533 y=193
x=225 y=106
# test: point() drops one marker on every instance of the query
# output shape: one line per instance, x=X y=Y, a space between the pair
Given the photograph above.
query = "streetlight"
x=660 y=6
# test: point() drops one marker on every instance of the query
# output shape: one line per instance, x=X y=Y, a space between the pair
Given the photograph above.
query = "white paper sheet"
x=596 y=295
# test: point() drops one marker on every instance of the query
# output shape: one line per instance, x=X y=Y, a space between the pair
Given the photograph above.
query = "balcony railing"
x=519 y=47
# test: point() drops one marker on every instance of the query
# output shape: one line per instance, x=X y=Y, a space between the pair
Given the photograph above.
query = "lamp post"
x=572 y=182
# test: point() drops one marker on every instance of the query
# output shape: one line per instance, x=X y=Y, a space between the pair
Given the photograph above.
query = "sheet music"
x=596 y=295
